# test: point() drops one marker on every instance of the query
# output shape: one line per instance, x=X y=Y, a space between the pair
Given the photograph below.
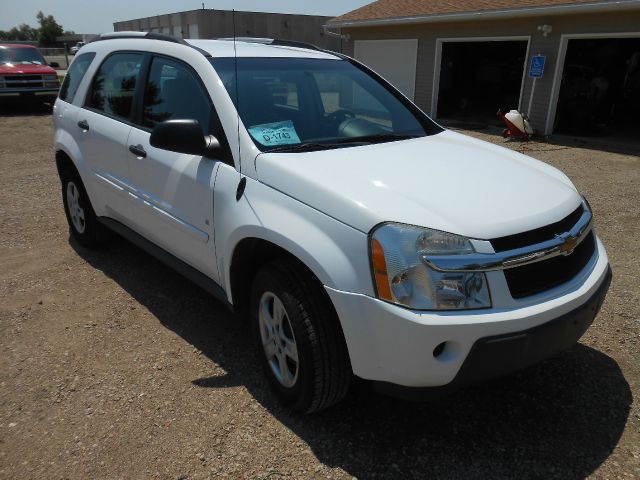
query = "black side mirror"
x=184 y=136
x=54 y=65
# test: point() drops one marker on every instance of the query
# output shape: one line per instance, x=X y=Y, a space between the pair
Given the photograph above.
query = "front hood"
x=447 y=181
x=27 y=68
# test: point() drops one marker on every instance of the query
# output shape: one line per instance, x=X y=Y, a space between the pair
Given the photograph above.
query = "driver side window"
x=173 y=92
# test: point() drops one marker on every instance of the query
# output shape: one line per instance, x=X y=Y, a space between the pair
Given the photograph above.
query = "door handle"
x=138 y=150
x=83 y=125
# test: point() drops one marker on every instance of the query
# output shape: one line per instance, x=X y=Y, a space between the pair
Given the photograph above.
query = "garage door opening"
x=478 y=78
x=600 y=89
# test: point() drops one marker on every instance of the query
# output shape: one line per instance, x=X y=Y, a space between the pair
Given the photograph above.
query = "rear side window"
x=174 y=92
x=114 y=84
x=75 y=75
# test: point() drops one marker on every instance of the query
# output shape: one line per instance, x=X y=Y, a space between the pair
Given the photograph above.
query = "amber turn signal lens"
x=380 y=271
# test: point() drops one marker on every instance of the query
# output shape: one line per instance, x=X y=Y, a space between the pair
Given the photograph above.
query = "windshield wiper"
x=342 y=142
x=377 y=138
x=304 y=147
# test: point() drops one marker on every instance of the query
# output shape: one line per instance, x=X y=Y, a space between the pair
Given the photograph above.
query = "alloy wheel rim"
x=278 y=340
x=76 y=212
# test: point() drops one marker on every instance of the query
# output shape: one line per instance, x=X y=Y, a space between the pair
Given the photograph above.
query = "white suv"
x=300 y=188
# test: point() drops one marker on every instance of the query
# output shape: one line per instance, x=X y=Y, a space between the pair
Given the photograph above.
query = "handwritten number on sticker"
x=278 y=133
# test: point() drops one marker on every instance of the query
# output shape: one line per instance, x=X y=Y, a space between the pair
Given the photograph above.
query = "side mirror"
x=184 y=136
x=54 y=65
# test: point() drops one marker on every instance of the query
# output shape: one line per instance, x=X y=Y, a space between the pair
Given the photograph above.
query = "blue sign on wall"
x=537 y=66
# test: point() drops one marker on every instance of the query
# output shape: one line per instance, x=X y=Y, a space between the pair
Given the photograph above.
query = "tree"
x=49 y=29
x=22 y=32
x=27 y=32
x=47 y=33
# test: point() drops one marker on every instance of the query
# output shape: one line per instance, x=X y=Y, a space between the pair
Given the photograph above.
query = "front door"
x=176 y=190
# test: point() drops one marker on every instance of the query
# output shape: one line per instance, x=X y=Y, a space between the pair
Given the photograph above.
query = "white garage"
x=475 y=57
x=395 y=60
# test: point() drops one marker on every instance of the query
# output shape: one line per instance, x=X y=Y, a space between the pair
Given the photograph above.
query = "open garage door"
x=479 y=77
x=395 y=60
x=600 y=89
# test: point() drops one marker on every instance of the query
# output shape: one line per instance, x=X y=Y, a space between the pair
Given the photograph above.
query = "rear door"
x=65 y=112
x=105 y=124
x=176 y=189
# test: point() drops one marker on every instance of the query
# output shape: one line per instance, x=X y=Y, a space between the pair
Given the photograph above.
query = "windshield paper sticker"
x=278 y=133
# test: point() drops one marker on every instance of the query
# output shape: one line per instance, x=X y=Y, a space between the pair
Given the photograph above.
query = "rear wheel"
x=299 y=338
x=82 y=220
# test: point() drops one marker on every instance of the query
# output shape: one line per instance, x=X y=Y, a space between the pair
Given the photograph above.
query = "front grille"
x=24 y=81
x=538 y=277
x=546 y=274
x=538 y=235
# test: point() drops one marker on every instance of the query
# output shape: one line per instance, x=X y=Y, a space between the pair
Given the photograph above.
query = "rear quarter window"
x=74 y=76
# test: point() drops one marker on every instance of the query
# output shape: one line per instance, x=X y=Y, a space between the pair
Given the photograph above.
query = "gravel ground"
x=113 y=366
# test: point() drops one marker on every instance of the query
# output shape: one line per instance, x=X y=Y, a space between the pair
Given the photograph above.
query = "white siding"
x=395 y=60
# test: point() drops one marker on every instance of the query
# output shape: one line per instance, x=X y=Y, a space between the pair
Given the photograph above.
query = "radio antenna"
x=235 y=76
x=243 y=181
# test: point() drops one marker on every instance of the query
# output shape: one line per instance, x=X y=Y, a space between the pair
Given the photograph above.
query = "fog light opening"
x=439 y=349
x=448 y=351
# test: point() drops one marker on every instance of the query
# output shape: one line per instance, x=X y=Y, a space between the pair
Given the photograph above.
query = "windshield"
x=20 y=56
x=288 y=104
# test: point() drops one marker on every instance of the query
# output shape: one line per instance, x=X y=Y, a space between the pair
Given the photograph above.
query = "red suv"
x=24 y=73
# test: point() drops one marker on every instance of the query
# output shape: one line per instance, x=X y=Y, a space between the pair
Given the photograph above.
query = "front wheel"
x=299 y=338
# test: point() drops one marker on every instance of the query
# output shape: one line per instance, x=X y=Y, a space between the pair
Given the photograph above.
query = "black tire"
x=90 y=232
x=324 y=370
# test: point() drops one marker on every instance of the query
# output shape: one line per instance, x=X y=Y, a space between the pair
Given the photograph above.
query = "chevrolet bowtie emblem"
x=569 y=245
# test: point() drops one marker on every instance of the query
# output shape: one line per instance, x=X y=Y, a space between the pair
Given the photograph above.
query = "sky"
x=91 y=16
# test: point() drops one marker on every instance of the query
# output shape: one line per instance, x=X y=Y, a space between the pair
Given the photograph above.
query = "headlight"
x=402 y=277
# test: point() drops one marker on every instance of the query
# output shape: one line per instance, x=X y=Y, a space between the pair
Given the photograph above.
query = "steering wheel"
x=340 y=115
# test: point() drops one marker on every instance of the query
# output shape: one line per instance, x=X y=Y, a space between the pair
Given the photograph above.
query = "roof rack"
x=273 y=41
x=296 y=44
x=147 y=36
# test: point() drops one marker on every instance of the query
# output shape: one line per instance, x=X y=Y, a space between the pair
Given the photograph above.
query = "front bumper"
x=398 y=348
x=500 y=355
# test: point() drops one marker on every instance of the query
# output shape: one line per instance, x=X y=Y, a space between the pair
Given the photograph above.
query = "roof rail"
x=295 y=43
x=265 y=41
x=273 y=41
x=147 y=36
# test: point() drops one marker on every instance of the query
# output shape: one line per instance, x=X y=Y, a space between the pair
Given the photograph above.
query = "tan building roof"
x=389 y=9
